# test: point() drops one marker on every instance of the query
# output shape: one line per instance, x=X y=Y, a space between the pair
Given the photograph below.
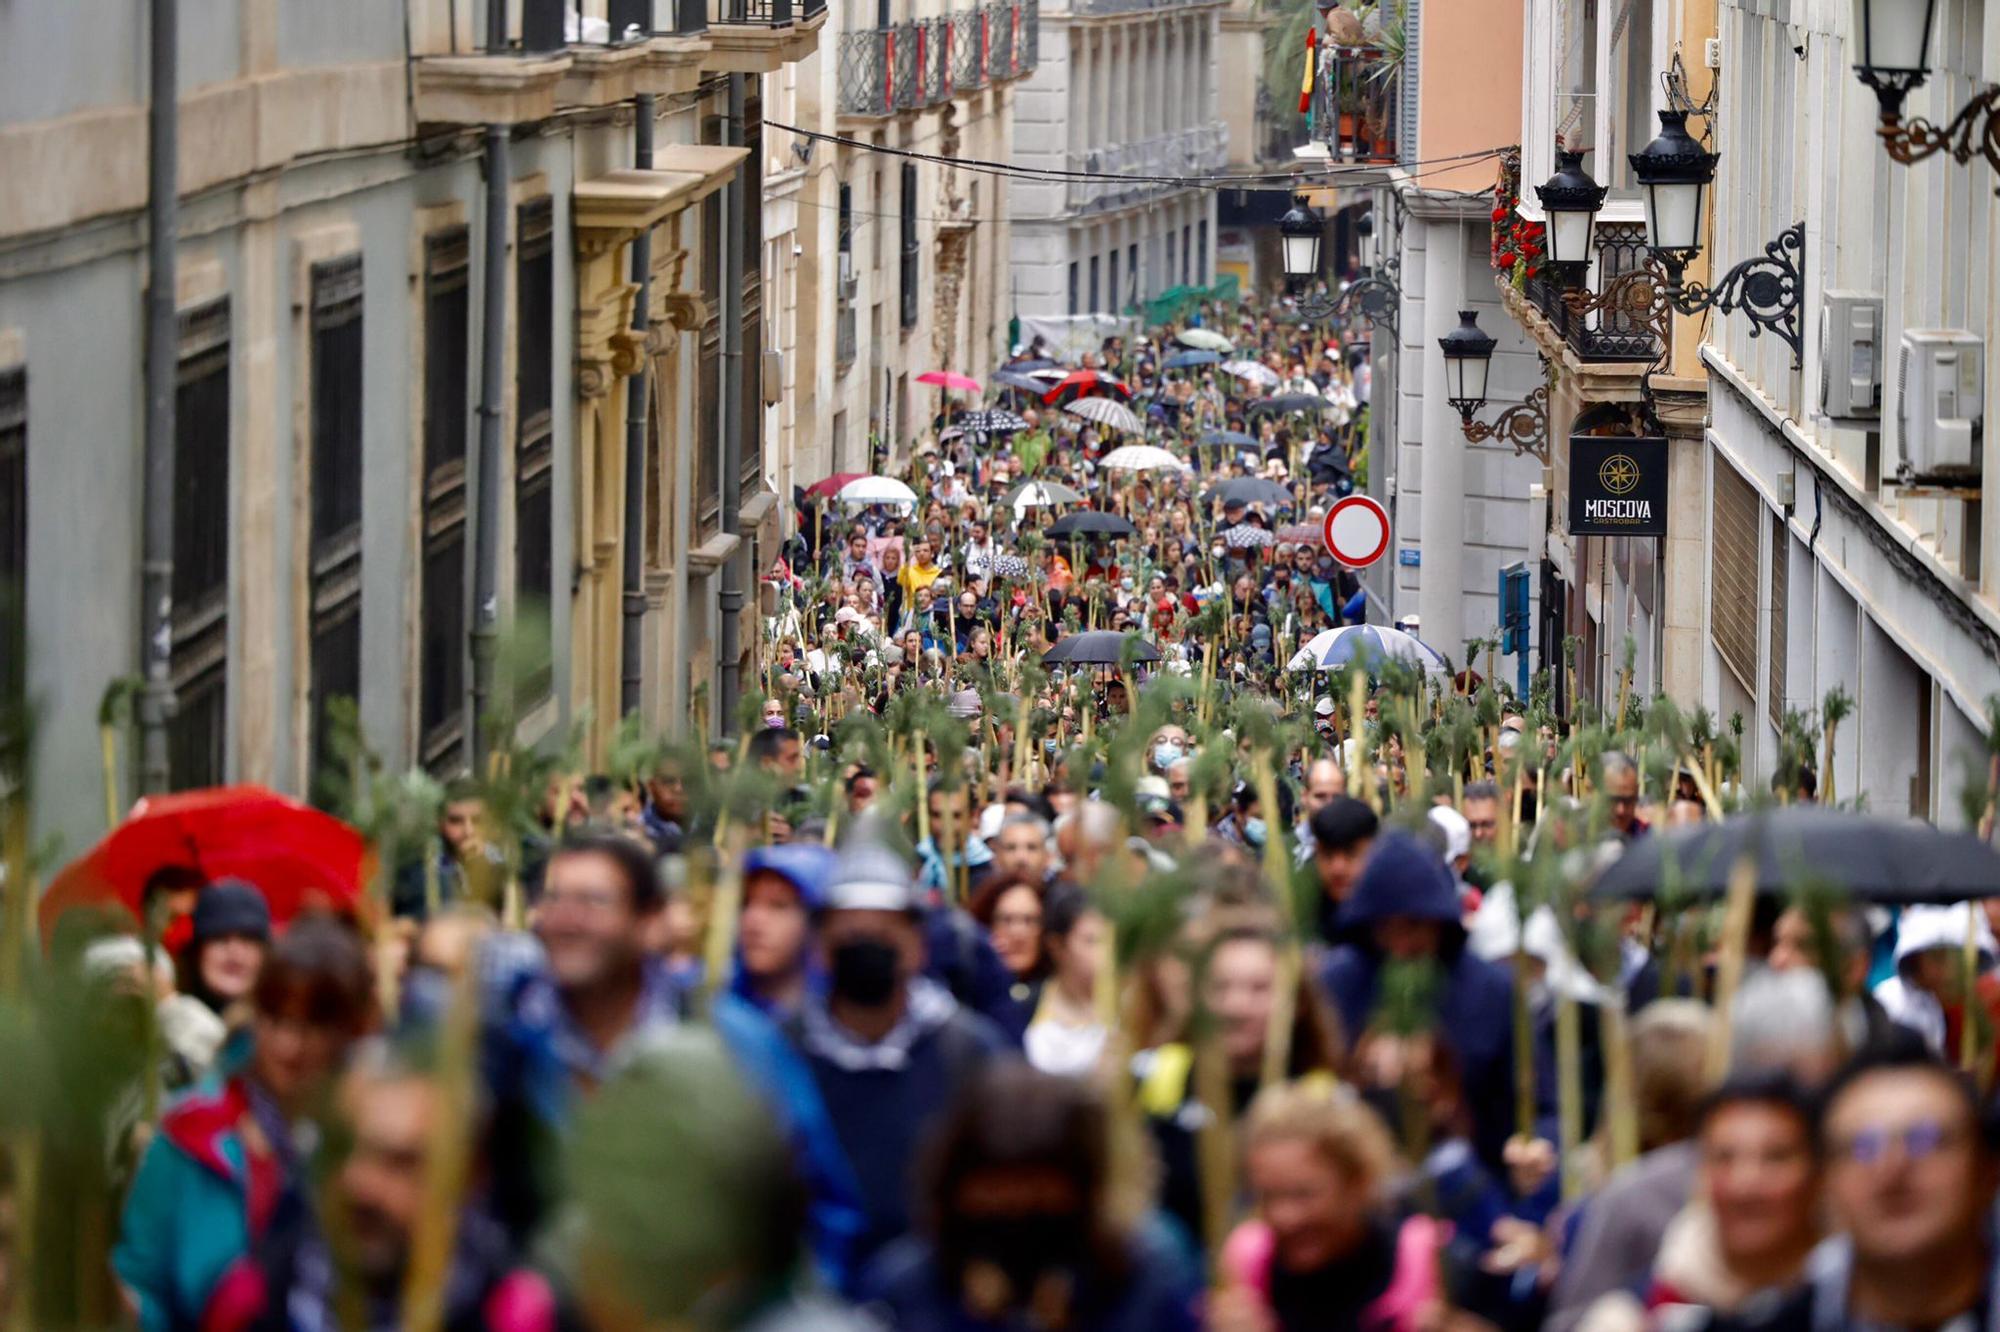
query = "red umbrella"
x=292 y=853
x=831 y=486
x=949 y=379
x=1087 y=383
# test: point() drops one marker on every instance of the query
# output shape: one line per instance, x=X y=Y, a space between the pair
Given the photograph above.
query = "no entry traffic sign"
x=1357 y=531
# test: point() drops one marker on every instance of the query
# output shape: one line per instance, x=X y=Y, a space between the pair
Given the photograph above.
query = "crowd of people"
x=969 y=987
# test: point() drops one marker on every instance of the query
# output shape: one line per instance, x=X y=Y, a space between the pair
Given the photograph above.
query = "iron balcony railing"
x=1601 y=335
x=543 y=27
x=1127 y=173
x=924 y=63
x=757 y=13
x=1357 y=104
x=1128 y=6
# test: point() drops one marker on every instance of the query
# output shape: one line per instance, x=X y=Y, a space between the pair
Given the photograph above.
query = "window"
x=1170 y=257
x=13 y=535
x=1732 y=614
x=1576 y=74
x=1201 y=250
x=1129 y=294
x=534 y=448
x=708 y=374
x=197 y=736
x=335 y=547
x=750 y=262
x=1094 y=306
x=1632 y=124
x=1187 y=256
x=1114 y=282
x=1073 y=287
x=912 y=255
x=441 y=620
x=1781 y=559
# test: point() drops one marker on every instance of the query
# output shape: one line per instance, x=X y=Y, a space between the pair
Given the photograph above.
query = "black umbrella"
x=1027 y=384
x=1873 y=858
x=1327 y=465
x=993 y=422
x=1097 y=647
x=1249 y=490
x=1291 y=402
x=1228 y=437
x=1089 y=522
x=1022 y=367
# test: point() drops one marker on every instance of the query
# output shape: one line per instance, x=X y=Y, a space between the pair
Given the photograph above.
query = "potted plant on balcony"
x=1389 y=33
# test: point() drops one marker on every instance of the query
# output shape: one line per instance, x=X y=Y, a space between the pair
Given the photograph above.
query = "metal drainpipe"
x=731 y=598
x=632 y=646
x=492 y=406
x=156 y=573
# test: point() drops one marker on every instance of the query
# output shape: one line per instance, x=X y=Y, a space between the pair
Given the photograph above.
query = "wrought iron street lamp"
x=1674 y=174
x=1374 y=294
x=1468 y=365
x=1570 y=199
x=1892 y=40
x=1300 y=232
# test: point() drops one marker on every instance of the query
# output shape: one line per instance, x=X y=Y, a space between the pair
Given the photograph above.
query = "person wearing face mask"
x=1021 y=1227
x=1169 y=747
x=888 y=1048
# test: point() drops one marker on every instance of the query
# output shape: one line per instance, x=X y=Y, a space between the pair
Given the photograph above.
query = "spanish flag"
x=1306 y=85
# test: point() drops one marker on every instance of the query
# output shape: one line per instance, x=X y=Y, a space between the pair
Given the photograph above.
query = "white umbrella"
x=1107 y=412
x=1254 y=371
x=1207 y=339
x=876 y=490
x=1141 y=458
x=1365 y=643
x=1042 y=495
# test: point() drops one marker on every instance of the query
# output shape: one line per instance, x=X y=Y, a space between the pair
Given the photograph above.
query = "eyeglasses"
x=1919 y=1141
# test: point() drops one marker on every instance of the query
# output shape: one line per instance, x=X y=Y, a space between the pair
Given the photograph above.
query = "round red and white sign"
x=1357 y=531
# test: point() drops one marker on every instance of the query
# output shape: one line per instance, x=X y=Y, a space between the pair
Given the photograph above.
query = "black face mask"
x=1026 y=1249
x=865 y=971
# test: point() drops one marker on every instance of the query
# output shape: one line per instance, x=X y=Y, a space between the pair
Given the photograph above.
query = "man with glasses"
x=1621 y=790
x=1909 y=1181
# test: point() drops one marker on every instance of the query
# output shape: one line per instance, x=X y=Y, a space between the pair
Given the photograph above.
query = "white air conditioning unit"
x=1850 y=356
x=848 y=282
x=1940 y=404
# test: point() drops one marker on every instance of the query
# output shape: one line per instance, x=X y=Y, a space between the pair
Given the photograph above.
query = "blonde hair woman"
x=1326 y=1248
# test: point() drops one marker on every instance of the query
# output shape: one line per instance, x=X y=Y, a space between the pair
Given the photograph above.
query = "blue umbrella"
x=1184 y=360
x=1367 y=644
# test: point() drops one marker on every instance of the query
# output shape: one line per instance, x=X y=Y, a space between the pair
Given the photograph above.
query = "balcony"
x=1150 y=167
x=1603 y=336
x=555 y=54
x=761 y=36
x=1117 y=8
x=1357 y=105
x=925 y=63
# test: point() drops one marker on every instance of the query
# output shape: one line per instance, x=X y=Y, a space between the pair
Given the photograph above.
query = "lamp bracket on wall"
x=1524 y=425
x=1769 y=290
x=1973 y=132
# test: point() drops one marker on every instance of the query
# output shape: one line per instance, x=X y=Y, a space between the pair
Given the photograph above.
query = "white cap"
x=1457 y=832
x=1323 y=708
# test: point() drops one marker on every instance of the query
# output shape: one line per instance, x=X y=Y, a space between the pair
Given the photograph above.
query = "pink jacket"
x=1251 y=1248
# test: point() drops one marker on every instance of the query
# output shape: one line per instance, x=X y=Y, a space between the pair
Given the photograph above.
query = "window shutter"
x=1406 y=138
x=1732 y=613
x=1781 y=560
x=13 y=535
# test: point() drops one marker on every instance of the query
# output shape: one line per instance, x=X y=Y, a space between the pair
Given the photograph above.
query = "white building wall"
x=1897 y=604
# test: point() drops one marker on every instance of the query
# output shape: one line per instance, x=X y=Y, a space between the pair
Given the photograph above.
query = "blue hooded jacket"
x=808 y=867
x=1406 y=879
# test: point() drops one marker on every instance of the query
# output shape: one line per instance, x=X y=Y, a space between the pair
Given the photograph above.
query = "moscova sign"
x=1614 y=511
x=1617 y=485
